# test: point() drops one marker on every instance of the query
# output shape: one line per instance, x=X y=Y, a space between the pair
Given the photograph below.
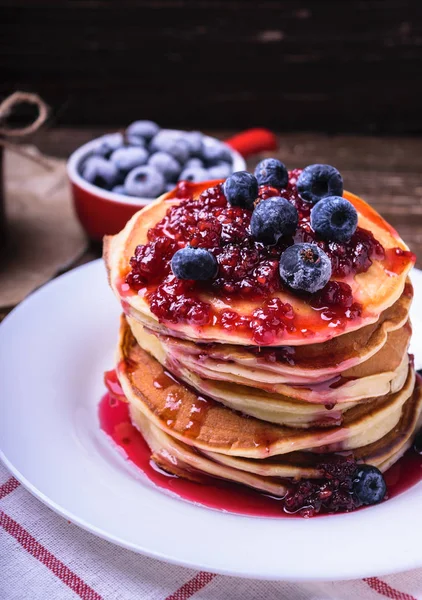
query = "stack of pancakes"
x=209 y=401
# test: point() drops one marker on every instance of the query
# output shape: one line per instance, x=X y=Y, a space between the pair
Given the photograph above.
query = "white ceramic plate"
x=53 y=350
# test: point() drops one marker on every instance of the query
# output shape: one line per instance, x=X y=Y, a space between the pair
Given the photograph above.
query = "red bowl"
x=106 y=213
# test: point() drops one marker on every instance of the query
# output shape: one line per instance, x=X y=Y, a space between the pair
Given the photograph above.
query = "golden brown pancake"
x=295 y=364
x=376 y=290
x=384 y=372
x=267 y=474
x=209 y=426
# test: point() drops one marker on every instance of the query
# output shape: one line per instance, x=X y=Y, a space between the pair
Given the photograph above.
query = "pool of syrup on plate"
x=210 y=492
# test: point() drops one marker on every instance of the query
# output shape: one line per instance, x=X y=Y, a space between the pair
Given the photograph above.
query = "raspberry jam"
x=307 y=498
x=248 y=270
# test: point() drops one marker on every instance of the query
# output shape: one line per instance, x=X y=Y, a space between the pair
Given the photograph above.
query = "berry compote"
x=247 y=269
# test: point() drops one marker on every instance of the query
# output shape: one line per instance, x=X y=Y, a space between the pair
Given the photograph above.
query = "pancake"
x=180 y=459
x=376 y=289
x=197 y=421
x=384 y=372
x=294 y=364
x=267 y=474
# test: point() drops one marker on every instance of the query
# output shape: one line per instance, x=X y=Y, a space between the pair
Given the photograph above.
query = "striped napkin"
x=44 y=556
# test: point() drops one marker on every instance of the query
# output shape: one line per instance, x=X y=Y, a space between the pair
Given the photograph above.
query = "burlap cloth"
x=43 y=235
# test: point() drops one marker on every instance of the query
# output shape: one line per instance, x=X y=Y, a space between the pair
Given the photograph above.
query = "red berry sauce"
x=306 y=498
x=247 y=269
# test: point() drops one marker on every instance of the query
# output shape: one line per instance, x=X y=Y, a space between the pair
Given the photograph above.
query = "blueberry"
x=127 y=158
x=318 y=181
x=194 y=174
x=272 y=219
x=271 y=171
x=417 y=444
x=220 y=171
x=214 y=151
x=119 y=189
x=169 y=187
x=369 y=484
x=135 y=140
x=194 y=263
x=108 y=143
x=305 y=267
x=334 y=218
x=171 y=142
x=241 y=189
x=143 y=129
x=99 y=171
x=194 y=162
x=166 y=164
x=144 y=182
x=194 y=141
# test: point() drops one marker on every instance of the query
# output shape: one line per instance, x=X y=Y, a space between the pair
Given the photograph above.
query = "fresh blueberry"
x=108 y=143
x=334 y=218
x=171 y=142
x=136 y=140
x=271 y=171
x=272 y=219
x=241 y=189
x=319 y=181
x=305 y=267
x=194 y=263
x=194 y=141
x=127 y=158
x=220 y=171
x=169 y=187
x=214 y=151
x=144 y=182
x=119 y=189
x=143 y=129
x=99 y=171
x=194 y=162
x=417 y=444
x=166 y=164
x=195 y=174
x=369 y=484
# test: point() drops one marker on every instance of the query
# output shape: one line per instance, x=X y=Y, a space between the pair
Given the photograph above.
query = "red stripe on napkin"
x=8 y=487
x=386 y=590
x=190 y=588
x=38 y=551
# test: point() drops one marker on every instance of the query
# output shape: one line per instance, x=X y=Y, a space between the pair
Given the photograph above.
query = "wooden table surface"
x=385 y=171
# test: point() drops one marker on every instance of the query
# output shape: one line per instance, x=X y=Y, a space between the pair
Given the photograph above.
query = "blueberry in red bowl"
x=143 y=129
x=127 y=158
x=166 y=164
x=319 y=181
x=213 y=151
x=171 y=142
x=100 y=172
x=195 y=174
x=144 y=181
x=107 y=144
x=134 y=140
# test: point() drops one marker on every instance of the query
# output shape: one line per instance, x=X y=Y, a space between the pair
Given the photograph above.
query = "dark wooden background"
x=330 y=66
